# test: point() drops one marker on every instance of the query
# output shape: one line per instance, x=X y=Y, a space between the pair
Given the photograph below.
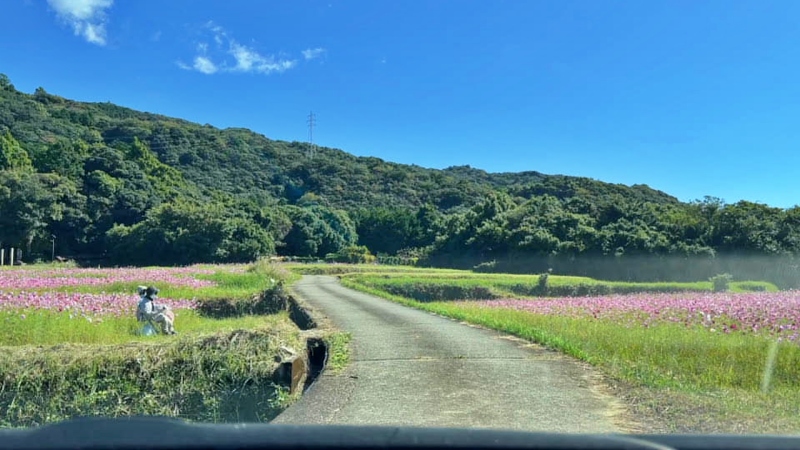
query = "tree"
x=64 y=158
x=33 y=204
x=12 y=155
x=5 y=83
x=187 y=233
x=317 y=231
x=385 y=230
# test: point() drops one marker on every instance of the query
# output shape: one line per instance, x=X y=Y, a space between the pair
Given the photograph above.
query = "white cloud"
x=311 y=53
x=241 y=58
x=204 y=65
x=219 y=33
x=248 y=60
x=87 y=17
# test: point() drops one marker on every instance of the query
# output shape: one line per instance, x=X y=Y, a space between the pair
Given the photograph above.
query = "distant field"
x=692 y=359
x=337 y=269
x=446 y=284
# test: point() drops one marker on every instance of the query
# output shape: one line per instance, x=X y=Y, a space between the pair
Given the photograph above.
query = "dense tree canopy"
x=115 y=185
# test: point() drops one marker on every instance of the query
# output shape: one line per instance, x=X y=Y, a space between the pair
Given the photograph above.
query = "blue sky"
x=691 y=97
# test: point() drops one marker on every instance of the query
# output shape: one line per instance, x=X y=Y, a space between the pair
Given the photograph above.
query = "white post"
x=12 y=256
x=2 y=256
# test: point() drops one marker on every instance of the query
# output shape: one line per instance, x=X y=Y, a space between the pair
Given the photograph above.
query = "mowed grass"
x=686 y=379
x=44 y=327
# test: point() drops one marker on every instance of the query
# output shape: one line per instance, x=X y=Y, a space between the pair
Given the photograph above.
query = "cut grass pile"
x=73 y=349
x=692 y=376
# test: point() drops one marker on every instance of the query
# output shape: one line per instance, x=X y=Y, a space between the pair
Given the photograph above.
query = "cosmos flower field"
x=763 y=313
x=85 y=304
x=31 y=289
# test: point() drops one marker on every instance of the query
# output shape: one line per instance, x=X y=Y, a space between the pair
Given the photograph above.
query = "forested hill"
x=132 y=187
x=241 y=162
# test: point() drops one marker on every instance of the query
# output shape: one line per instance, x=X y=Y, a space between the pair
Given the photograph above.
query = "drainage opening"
x=317 y=359
x=300 y=316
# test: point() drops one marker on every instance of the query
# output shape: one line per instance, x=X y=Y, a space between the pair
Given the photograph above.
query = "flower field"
x=30 y=279
x=775 y=313
x=31 y=289
x=47 y=305
x=90 y=306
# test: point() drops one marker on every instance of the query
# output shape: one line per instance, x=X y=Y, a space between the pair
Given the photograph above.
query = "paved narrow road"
x=412 y=368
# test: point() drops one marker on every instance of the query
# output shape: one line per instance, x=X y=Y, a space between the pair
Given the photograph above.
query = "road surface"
x=413 y=368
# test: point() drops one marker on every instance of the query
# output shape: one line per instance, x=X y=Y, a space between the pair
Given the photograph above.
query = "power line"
x=311 y=122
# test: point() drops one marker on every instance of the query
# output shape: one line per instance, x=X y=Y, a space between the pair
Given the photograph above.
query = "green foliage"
x=33 y=205
x=121 y=167
x=183 y=233
x=721 y=282
x=12 y=156
x=339 y=350
x=317 y=231
x=390 y=230
x=5 y=83
x=542 y=284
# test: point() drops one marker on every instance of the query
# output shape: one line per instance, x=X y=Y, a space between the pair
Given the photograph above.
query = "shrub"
x=721 y=282
x=355 y=254
x=542 y=282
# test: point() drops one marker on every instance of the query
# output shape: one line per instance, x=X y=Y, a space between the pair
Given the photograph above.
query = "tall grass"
x=223 y=377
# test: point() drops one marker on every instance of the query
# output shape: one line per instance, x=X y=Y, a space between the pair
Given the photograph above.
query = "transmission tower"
x=311 y=123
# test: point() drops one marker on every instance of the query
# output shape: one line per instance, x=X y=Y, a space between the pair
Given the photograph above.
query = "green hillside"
x=115 y=185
